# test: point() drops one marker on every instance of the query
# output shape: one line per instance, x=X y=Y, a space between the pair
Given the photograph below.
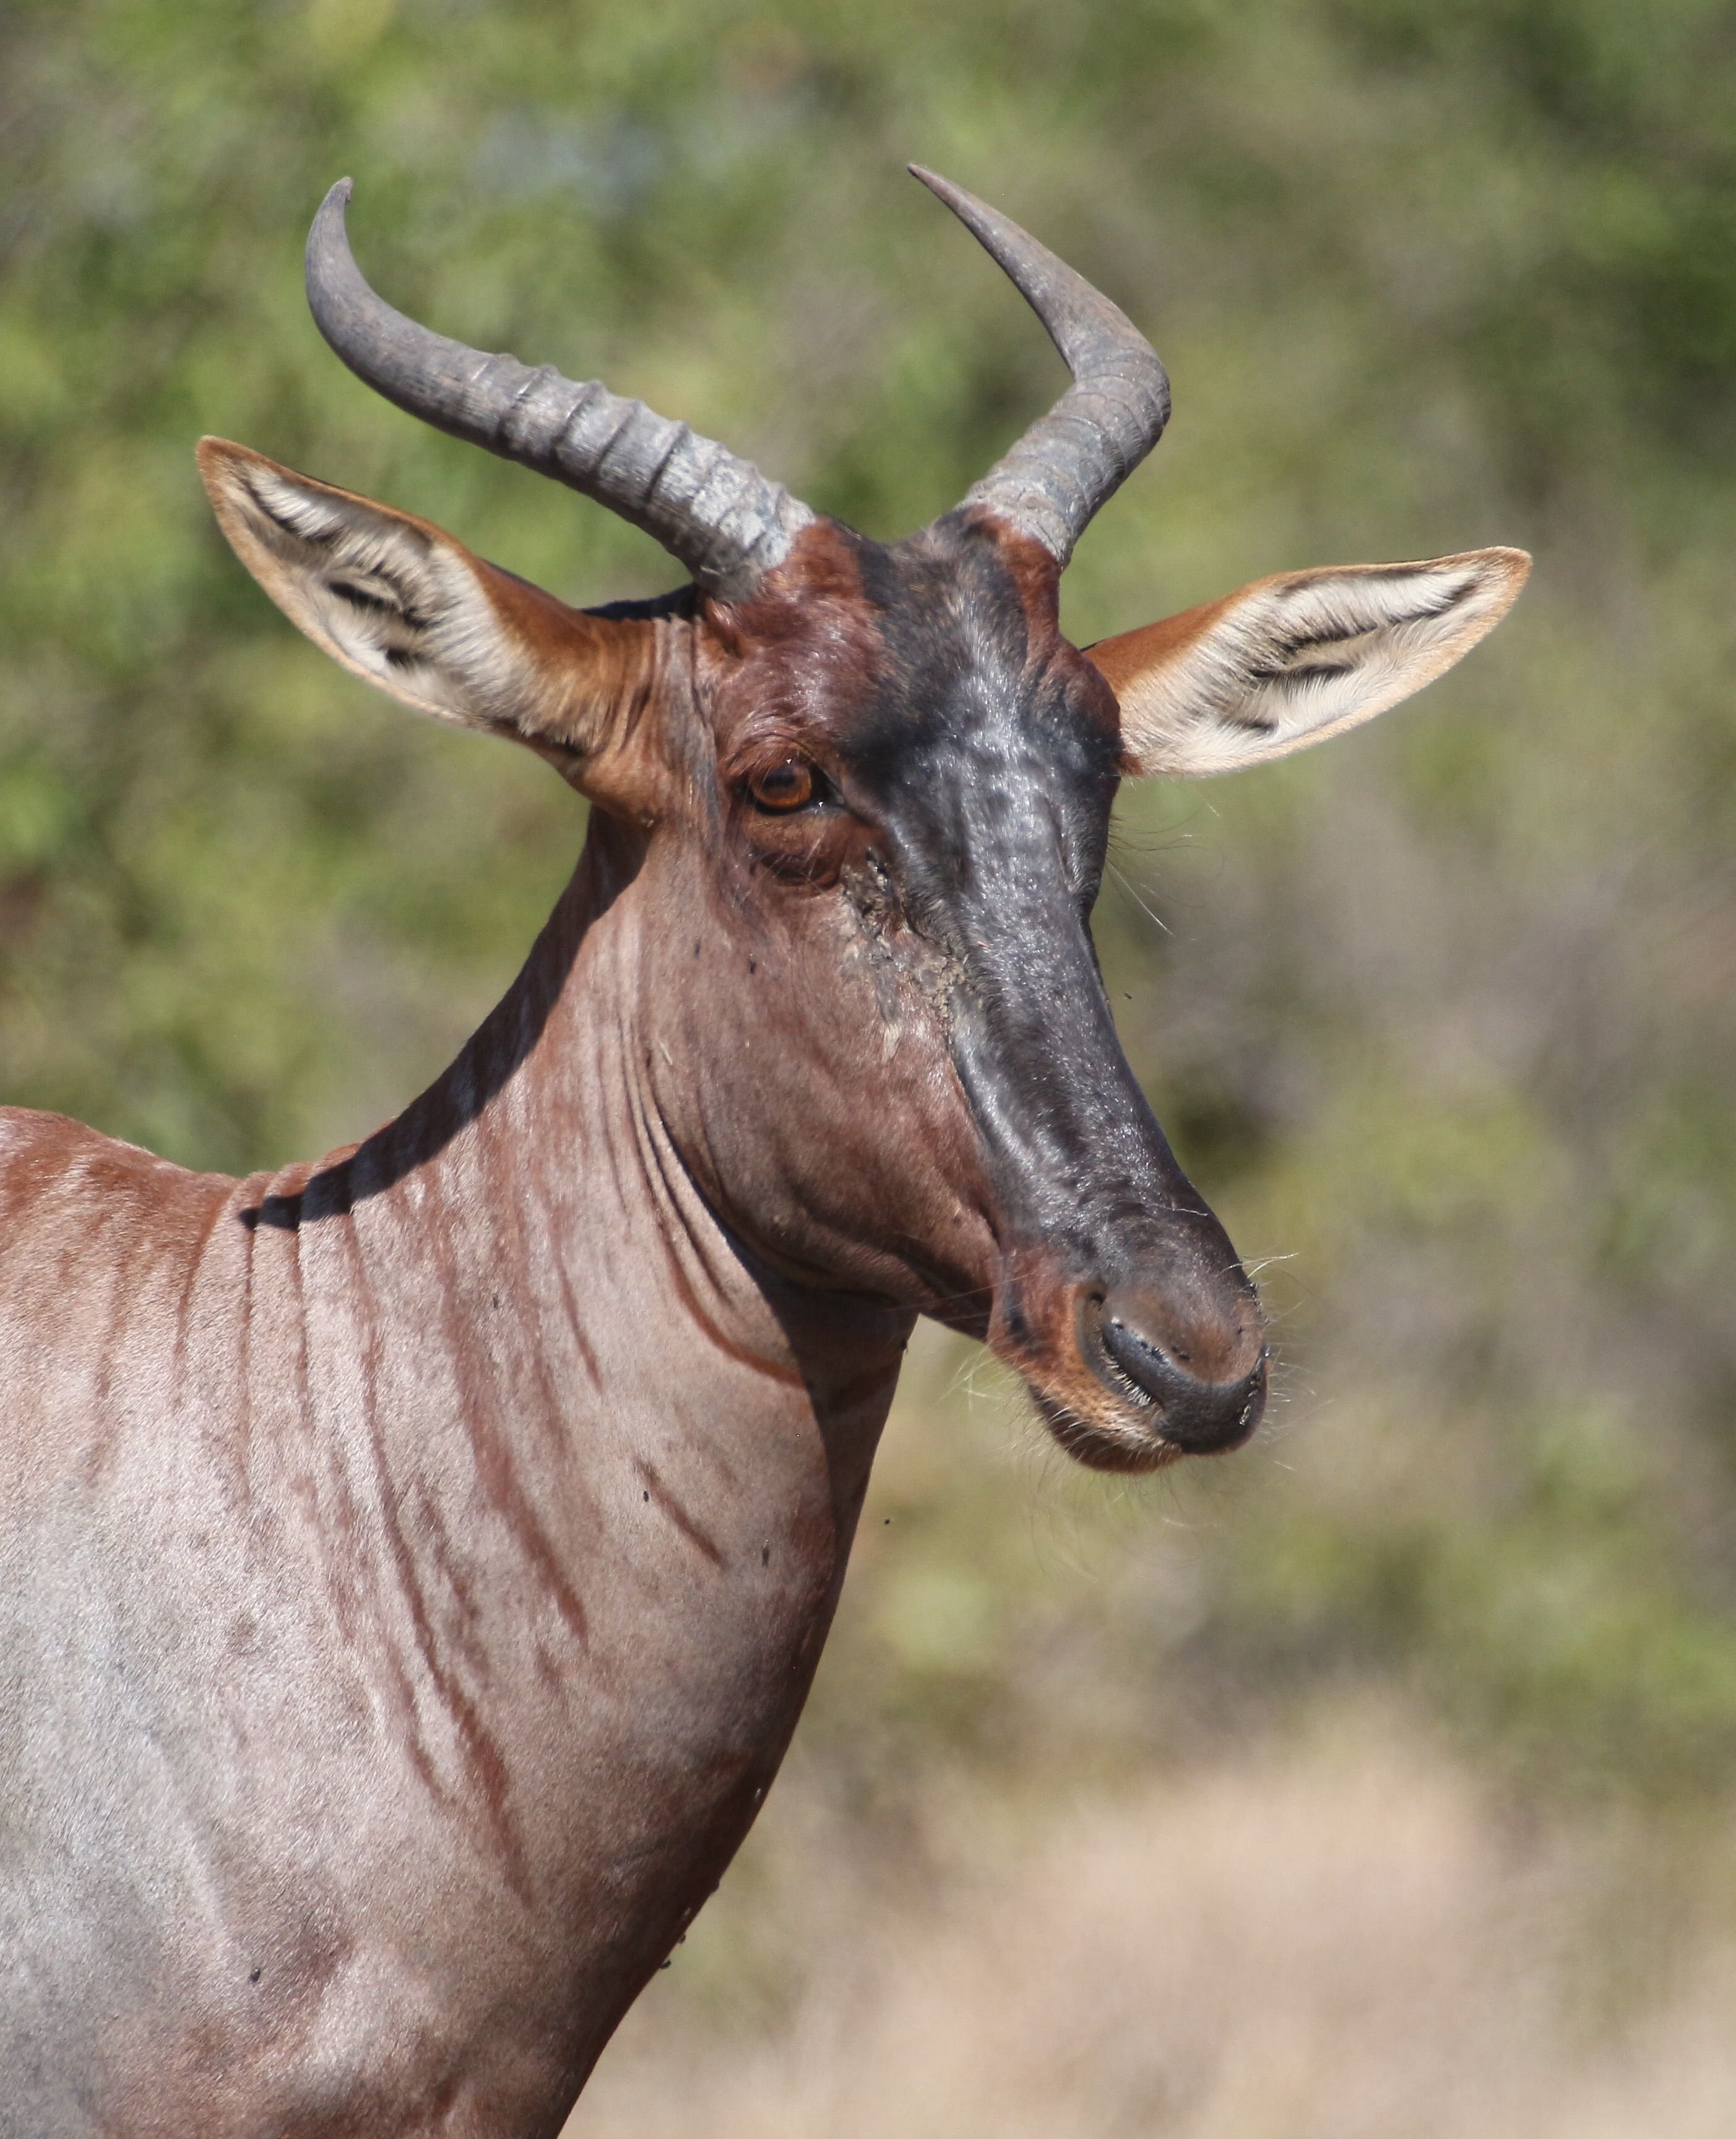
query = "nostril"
x=1138 y=1354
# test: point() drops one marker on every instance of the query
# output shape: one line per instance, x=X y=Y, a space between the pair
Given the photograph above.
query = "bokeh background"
x=1379 y=1778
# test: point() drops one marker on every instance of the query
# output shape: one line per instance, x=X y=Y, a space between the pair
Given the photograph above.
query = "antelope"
x=414 y=1563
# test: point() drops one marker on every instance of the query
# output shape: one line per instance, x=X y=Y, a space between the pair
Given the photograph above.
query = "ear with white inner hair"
x=1295 y=659
x=401 y=604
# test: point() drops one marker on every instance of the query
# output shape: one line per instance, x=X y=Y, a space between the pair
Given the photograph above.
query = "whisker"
x=1127 y=884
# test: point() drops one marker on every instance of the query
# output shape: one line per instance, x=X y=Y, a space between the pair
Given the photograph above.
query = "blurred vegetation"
x=1441 y=1017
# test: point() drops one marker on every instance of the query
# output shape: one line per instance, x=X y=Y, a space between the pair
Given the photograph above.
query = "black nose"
x=1200 y=1415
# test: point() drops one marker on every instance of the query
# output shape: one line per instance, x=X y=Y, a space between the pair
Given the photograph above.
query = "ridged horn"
x=715 y=513
x=1072 y=461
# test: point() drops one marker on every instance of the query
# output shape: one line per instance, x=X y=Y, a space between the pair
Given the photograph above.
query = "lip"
x=1110 y=1436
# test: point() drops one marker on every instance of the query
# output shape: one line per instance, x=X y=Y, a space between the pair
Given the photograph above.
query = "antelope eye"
x=787 y=786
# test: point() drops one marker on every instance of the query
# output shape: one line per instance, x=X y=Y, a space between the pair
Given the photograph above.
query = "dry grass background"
x=1340 y=1937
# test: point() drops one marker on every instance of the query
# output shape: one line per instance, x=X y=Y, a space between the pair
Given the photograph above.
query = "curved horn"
x=716 y=514
x=1072 y=461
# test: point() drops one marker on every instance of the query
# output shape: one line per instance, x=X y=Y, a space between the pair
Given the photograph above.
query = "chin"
x=1106 y=1435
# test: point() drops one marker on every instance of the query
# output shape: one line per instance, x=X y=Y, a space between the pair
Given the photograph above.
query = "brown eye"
x=787 y=786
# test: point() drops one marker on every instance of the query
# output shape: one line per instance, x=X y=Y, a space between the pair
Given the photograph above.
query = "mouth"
x=1117 y=1397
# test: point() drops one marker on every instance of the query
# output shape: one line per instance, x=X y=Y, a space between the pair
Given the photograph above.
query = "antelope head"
x=856 y=797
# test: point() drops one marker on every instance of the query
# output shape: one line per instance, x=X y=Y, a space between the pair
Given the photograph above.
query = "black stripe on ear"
x=1314 y=672
x=363 y=598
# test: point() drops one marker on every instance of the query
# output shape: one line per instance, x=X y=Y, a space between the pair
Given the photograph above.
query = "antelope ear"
x=1295 y=659
x=400 y=603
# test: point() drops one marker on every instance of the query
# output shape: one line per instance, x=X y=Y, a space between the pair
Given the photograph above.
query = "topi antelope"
x=413 y=1563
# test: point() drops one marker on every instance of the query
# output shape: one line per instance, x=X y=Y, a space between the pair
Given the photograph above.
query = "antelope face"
x=897 y=1068
x=890 y=1057
x=863 y=795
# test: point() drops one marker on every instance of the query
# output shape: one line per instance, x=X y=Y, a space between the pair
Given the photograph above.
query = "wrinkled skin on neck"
x=911 y=1083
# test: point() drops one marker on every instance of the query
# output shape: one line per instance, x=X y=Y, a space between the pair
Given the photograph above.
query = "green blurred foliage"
x=1441 y=1018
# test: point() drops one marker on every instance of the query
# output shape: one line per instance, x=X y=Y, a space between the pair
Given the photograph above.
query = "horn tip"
x=336 y=200
x=990 y=229
x=942 y=188
x=327 y=261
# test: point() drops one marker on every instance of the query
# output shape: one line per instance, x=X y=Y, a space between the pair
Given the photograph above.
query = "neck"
x=542 y=1157
x=635 y=1459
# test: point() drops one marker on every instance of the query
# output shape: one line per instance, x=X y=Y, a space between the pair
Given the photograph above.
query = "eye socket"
x=782 y=788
